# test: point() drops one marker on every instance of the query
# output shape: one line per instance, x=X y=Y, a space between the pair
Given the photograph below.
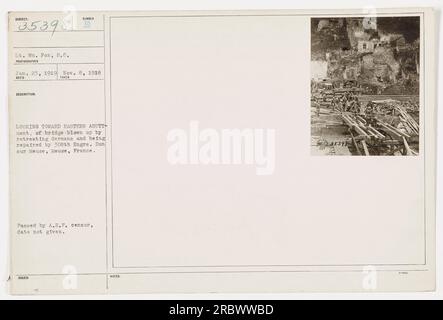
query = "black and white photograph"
x=365 y=86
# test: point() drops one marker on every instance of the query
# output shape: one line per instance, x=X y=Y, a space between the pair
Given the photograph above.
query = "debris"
x=381 y=127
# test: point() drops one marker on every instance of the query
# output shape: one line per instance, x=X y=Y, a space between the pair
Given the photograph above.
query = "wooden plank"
x=365 y=147
x=355 y=143
x=407 y=148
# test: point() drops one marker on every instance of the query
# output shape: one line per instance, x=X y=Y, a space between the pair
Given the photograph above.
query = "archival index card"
x=243 y=151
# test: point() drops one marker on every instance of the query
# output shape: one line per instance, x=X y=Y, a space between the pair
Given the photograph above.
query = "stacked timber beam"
x=409 y=123
x=380 y=132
